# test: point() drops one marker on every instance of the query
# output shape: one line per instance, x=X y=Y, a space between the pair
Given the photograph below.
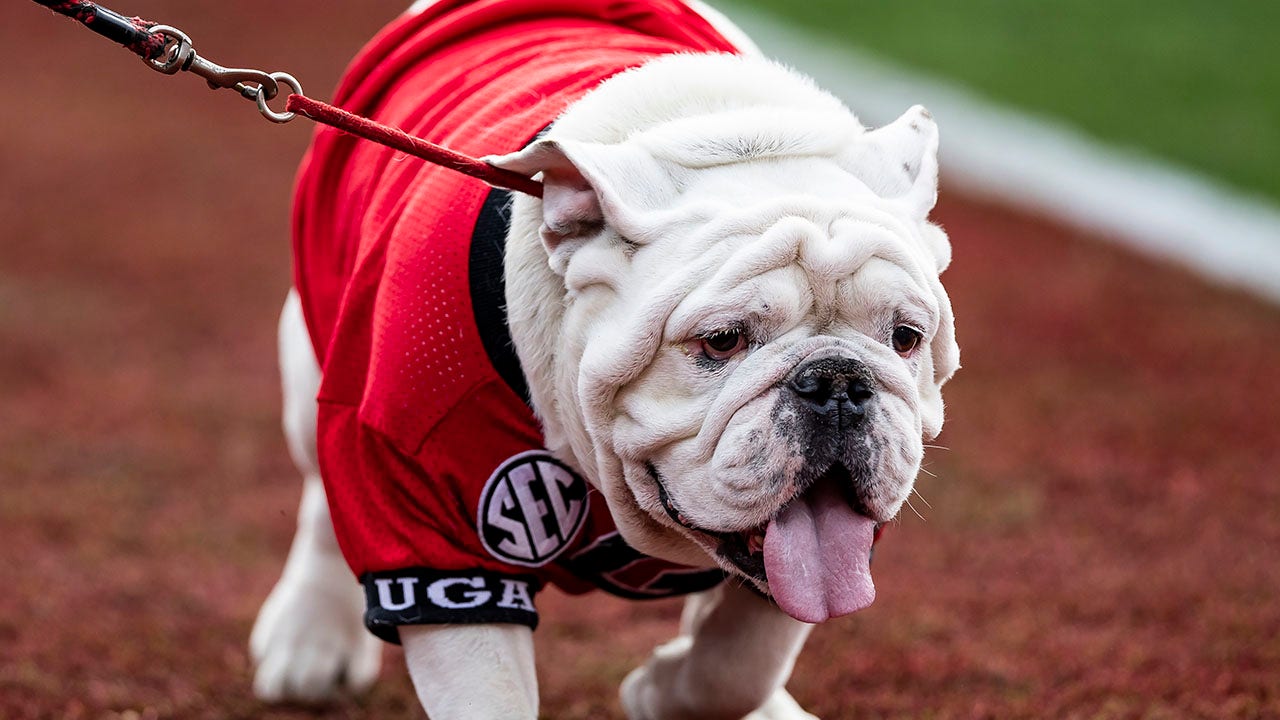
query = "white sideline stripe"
x=1046 y=167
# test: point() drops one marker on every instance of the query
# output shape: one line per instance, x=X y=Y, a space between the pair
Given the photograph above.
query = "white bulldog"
x=728 y=311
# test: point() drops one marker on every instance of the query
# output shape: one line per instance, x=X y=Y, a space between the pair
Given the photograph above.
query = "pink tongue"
x=817 y=555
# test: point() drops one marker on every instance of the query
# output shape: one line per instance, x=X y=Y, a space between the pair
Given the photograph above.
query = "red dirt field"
x=1101 y=540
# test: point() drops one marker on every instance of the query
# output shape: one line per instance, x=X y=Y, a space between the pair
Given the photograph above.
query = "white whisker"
x=916 y=491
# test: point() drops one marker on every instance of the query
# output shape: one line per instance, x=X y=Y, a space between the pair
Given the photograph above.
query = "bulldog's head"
x=749 y=337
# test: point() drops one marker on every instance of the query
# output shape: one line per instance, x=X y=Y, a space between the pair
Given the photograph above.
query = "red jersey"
x=444 y=501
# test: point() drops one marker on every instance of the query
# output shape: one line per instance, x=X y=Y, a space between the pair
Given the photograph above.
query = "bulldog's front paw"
x=309 y=641
x=781 y=706
x=642 y=692
x=662 y=689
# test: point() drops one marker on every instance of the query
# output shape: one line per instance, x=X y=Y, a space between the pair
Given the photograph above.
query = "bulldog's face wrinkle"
x=730 y=548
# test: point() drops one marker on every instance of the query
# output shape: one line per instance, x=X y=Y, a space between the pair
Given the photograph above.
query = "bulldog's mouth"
x=813 y=556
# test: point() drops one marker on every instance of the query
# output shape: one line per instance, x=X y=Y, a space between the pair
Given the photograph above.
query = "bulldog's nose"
x=833 y=385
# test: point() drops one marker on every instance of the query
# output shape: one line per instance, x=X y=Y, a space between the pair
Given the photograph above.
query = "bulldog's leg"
x=309 y=640
x=472 y=672
x=733 y=656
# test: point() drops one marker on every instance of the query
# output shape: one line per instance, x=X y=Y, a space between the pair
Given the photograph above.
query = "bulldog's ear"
x=944 y=361
x=586 y=187
x=937 y=242
x=900 y=161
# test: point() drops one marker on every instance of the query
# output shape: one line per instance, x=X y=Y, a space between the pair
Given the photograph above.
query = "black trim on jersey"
x=420 y=596
x=606 y=561
x=488 y=289
x=489 y=286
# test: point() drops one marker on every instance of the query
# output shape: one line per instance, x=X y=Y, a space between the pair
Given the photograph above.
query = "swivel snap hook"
x=221 y=77
x=254 y=85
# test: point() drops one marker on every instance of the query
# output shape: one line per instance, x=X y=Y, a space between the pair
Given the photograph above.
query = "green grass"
x=1194 y=81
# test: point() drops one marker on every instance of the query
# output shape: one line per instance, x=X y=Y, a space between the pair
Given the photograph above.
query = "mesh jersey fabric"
x=417 y=430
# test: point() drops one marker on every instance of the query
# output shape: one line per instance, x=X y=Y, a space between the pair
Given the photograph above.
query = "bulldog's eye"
x=723 y=344
x=905 y=339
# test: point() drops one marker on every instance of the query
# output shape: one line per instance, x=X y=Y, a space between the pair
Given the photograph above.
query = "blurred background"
x=1190 y=81
x=1102 y=520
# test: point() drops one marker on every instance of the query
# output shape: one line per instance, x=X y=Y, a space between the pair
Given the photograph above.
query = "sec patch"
x=531 y=508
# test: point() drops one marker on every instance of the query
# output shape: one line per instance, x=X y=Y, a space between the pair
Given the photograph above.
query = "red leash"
x=404 y=142
x=169 y=50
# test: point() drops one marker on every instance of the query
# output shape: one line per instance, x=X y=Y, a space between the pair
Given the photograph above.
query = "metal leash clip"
x=256 y=85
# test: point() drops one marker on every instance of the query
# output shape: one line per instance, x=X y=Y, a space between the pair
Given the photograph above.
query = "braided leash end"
x=129 y=32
